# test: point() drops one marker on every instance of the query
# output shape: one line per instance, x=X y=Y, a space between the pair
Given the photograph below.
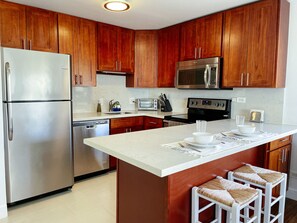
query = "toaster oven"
x=147 y=104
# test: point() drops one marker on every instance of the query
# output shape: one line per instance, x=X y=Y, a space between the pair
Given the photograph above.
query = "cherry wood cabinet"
x=42 y=30
x=124 y=125
x=168 y=55
x=146 y=60
x=152 y=123
x=255 y=45
x=278 y=156
x=28 y=28
x=77 y=37
x=12 y=25
x=115 y=48
x=201 y=38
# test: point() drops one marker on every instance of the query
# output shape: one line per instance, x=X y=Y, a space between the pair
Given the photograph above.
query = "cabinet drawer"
x=280 y=142
x=126 y=122
x=152 y=123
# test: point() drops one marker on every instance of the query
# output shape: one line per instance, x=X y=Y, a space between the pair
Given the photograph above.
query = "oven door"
x=198 y=74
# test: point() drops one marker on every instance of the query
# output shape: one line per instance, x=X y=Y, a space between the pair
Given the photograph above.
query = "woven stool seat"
x=257 y=175
x=227 y=192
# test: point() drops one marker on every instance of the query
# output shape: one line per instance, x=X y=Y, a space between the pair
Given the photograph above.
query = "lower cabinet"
x=152 y=123
x=131 y=124
x=278 y=156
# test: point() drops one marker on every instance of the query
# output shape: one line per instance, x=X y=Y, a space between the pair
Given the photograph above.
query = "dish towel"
x=230 y=136
x=185 y=148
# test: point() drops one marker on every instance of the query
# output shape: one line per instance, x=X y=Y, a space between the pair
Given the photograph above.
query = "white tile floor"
x=92 y=200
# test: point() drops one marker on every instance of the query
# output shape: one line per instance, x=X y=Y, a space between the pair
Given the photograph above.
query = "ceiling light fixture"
x=116 y=5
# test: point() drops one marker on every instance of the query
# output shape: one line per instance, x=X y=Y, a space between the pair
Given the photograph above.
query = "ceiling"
x=144 y=14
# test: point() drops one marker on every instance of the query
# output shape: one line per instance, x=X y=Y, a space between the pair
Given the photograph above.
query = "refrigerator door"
x=35 y=76
x=39 y=156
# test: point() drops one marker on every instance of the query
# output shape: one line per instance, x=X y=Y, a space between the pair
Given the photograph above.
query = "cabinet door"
x=235 y=47
x=126 y=52
x=107 y=47
x=152 y=123
x=68 y=28
x=146 y=59
x=285 y=164
x=188 y=41
x=211 y=32
x=168 y=55
x=262 y=44
x=12 y=25
x=42 y=30
x=275 y=159
x=87 y=52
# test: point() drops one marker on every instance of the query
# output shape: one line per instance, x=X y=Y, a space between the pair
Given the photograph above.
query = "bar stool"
x=267 y=180
x=229 y=196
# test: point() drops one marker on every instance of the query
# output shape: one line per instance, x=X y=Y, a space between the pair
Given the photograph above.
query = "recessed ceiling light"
x=116 y=5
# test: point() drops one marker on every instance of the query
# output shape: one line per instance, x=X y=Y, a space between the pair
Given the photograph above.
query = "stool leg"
x=218 y=213
x=228 y=217
x=281 y=208
x=258 y=203
x=230 y=176
x=267 y=206
x=235 y=213
x=195 y=205
x=246 y=214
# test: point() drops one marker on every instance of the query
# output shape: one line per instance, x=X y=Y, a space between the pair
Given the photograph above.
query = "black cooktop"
x=204 y=109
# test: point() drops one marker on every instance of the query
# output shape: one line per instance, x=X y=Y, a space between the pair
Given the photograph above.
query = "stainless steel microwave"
x=198 y=74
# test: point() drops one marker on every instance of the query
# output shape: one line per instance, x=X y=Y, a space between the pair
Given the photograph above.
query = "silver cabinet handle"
x=75 y=79
x=23 y=44
x=195 y=53
x=241 y=79
x=153 y=123
x=9 y=122
x=200 y=51
x=284 y=140
x=247 y=79
x=116 y=65
x=285 y=153
x=80 y=79
x=30 y=45
x=283 y=156
x=120 y=62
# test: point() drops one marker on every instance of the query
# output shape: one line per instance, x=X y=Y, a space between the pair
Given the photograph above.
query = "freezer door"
x=39 y=156
x=35 y=76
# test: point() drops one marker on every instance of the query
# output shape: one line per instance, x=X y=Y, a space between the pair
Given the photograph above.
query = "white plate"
x=237 y=132
x=113 y=112
x=190 y=141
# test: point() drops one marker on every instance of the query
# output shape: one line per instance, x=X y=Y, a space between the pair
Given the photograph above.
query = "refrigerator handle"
x=9 y=122
x=7 y=81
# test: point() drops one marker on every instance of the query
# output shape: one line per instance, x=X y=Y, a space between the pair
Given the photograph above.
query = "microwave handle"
x=205 y=77
x=209 y=75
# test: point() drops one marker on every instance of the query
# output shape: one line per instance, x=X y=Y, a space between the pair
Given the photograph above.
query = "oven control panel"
x=212 y=104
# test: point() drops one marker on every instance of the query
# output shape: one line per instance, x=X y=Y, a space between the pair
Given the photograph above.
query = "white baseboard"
x=292 y=194
x=3 y=211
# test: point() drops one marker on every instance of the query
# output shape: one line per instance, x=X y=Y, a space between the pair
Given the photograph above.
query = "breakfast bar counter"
x=155 y=177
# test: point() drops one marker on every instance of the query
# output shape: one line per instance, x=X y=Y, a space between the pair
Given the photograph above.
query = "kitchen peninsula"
x=154 y=182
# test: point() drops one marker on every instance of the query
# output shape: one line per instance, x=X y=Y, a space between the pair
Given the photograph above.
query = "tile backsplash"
x=114 y=87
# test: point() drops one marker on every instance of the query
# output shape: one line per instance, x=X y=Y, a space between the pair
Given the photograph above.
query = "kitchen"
x=277 y=100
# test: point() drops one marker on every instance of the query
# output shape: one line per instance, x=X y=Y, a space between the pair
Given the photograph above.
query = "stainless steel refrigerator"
x=37 y=108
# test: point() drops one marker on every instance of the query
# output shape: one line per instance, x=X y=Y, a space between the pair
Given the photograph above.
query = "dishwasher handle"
x=91 y=124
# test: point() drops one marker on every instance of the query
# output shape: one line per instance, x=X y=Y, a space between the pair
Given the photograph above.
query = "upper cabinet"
x=146 y=60
x=77 y=37
x=13 y=25
x=115 y=48
x=28 y=28
x=168 y=55
x=201 y=38
x=255 y=45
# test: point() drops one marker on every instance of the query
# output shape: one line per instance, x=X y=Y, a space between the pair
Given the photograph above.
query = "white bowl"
x=203 y=137
x=246 y=129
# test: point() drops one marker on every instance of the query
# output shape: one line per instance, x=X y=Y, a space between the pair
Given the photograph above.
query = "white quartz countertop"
x=123 y=114
x=144 y=149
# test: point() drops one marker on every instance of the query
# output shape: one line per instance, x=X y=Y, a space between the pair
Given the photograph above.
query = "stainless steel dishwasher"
x=88 y=160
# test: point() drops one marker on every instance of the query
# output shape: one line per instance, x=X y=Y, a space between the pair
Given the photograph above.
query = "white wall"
x=290 y=98
x=113 y=87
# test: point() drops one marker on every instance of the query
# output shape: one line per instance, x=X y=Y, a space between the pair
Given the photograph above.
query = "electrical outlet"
x=241 y=100
x=131 y=101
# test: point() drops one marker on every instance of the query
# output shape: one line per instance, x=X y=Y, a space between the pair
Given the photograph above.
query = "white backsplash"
x=114 y=87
